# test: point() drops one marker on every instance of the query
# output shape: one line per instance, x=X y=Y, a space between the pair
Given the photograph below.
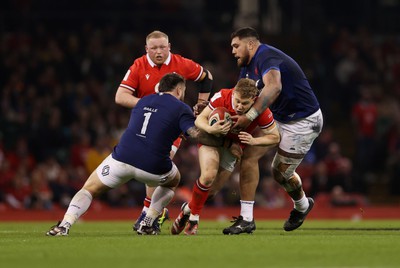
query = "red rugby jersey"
x=143 y=76
x=223 y=98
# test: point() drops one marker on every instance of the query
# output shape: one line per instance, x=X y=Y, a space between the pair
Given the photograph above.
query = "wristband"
x=252 y=114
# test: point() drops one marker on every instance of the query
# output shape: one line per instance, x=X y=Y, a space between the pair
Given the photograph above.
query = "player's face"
x=241 y=105
x=158 y=49
x=240 y=51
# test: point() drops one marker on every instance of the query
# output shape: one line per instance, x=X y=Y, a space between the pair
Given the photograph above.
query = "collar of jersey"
x=166 y=62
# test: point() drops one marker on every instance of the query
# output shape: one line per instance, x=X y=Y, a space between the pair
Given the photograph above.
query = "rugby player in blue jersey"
x=143 y=153
x=285 y=90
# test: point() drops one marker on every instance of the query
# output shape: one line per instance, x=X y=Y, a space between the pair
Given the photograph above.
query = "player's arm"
x=205 y=83
x=271 y=90
x=205 y=138
x=271 y=137
x=125 y=98
x=219 y=128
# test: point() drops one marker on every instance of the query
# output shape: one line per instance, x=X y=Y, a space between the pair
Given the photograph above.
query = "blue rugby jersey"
x=156 y=121
x=297 y=99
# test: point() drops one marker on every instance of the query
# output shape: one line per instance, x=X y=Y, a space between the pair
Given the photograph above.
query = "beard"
x=241 y=62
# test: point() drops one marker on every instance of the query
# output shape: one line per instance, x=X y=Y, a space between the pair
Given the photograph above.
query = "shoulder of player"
x=141 y=62
x=222 y=94
x=226 y=92
x=180 y=58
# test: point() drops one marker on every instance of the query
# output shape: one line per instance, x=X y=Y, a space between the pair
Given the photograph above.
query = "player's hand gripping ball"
x=219 y=113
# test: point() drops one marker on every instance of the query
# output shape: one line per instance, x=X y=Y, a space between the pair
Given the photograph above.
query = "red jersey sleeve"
x=222 y=98
x=131 y=78
x=187 y=68
x=265 y=120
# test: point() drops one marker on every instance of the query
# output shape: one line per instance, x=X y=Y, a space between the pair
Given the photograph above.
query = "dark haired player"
x=285 y=90
x=143 y=154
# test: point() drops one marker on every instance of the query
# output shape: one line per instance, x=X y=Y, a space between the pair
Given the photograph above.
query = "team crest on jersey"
x=147 y=76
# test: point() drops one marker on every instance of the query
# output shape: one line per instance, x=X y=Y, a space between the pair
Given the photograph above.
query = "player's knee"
x=289 y=180
x=172 y=183
x=293 y=183
x=94 y=185
x=208 y=176
x=207 y=180
x=286 y=176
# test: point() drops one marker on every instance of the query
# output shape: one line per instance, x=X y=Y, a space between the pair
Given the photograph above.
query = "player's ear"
x=250 y=45
x=180 y=91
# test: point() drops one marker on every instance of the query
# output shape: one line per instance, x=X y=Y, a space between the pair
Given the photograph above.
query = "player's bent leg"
x=146 y=205
x=209 y=160
x=249 y=178
x=219 y=182
x=283 y=167
x=249 y=171
x=297 y=218
x=162 y=196
x=79 y=204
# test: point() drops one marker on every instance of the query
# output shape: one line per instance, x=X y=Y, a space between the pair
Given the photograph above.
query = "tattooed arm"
x=205 y=138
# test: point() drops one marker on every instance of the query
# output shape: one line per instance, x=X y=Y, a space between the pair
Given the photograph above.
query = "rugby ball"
x=219 y=113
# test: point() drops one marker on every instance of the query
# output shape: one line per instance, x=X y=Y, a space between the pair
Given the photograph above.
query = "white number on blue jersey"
x=145 y=123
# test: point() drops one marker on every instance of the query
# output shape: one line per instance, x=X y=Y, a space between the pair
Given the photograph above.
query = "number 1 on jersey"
x=145 y=122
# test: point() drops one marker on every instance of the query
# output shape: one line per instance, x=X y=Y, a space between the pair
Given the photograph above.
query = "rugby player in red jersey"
x=143 y=77
x=217 y=163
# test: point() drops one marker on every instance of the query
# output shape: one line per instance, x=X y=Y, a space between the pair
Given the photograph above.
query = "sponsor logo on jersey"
x=147 y=76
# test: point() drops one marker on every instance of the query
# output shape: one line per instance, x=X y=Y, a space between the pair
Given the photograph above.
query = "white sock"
x=151 y=215
x=186 y=210
x=194 y=217
x=161 y=198
x=77 y=207
x=246 y=210
x=301 y=204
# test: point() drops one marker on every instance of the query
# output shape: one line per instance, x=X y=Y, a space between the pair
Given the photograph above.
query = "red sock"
x=199 y=197
x=147 y=202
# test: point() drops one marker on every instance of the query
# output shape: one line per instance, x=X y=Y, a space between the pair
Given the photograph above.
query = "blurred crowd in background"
x=61 y=64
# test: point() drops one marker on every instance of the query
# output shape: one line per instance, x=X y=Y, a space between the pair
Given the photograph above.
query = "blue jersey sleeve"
x=187 y=119
x=297 y=99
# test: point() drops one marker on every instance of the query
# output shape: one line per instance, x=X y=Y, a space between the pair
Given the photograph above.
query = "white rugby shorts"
x=226 y=159
x=298 y=136
x=113 y=173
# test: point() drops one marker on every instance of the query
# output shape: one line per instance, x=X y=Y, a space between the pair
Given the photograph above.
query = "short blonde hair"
x=156 y=34
x=246 y=88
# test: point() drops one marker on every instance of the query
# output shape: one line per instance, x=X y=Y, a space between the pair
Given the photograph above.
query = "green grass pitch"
x=317 y=243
